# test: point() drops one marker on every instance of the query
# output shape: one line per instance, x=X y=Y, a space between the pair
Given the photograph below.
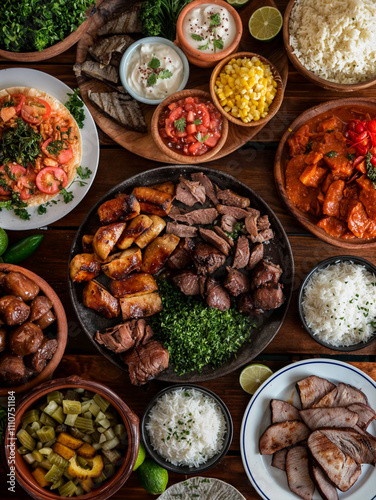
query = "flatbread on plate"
x=203 y=488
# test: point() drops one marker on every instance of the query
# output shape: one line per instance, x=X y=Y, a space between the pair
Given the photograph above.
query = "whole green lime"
x=153 y=477
x=141 y=456
x=3 y=241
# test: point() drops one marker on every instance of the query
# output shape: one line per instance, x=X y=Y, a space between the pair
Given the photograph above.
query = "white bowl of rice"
x=187 y=429
x=337 y=303
x=332 y=44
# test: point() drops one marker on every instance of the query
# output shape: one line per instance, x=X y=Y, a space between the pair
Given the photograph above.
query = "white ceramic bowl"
x=125 y=60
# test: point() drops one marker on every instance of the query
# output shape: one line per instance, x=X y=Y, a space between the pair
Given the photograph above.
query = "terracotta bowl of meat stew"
x=335 y=116
x=24 y=364
x=124 y=467
x=188 y=127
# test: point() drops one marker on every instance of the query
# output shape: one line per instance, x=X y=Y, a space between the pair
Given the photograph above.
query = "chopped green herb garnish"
x=84 y=174
x=198 y=38
x=215 y=19
x=371 y=170
x=67 y=195
x=20 y=144
x=164 y=74
x=154 y=63
x=41 y=209
x=350 y=157
x=331 y=154
x=202 y=139
x=218 y=44
x=308 y=148
x=152 y=79
x=76 y=108
x=197 y=121
x=180 y=124
x=204 y=47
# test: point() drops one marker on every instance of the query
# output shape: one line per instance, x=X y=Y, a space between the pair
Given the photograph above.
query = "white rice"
x=336 y=39
x=339 y=304
x=186 y=427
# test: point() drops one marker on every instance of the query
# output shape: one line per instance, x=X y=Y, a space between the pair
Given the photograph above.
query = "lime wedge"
x=265 y=23
x=252 y=376
x=237 y=3
x=141 y=456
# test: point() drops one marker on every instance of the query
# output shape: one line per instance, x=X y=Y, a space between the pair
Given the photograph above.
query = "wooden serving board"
x=143 y=144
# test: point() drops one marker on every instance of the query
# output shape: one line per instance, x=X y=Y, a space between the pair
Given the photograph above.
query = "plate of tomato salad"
x=54 y=172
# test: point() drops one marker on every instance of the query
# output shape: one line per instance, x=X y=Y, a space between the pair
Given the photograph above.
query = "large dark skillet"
x=278 y=250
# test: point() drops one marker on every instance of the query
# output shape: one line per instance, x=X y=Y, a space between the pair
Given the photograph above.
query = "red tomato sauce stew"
x=191 y=126
x=332 y=171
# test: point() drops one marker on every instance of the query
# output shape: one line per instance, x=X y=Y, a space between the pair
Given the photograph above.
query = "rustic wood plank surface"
x=252 y=164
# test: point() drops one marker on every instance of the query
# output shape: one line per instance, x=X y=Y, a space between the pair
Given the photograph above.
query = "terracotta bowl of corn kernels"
x=275 y=104
x=23 y=471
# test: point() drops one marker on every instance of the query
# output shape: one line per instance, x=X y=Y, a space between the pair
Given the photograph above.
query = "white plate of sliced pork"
x=310 y=432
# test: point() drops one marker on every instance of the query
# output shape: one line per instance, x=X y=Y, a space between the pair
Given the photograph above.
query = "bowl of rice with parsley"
x=187 y=429
x=332 y=44
x=337 y=303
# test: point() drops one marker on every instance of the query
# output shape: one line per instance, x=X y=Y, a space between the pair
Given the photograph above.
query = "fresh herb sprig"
x=154 y=64
x=371 y=170
x=20 y=144
x=158 y=17
x=76 y=107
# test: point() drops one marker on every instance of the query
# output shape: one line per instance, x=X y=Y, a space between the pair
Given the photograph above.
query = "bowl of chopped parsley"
x=34 y=31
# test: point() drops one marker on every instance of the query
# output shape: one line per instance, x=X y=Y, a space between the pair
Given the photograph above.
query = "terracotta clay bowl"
x=60 y=327
x=130 y=420
x=326 y=84
x=180 y=157
x=197 y=57
x=275 y=105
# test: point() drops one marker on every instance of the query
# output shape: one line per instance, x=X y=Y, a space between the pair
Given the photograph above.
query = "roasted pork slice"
x=365 y=414
x=123 y=22
x=214 y=239
x=228 y=223
x=341 y=469
x=283 y=411
x=146 y=361
x=228 y=197
x=242 y=253
x=121 y=109
x=352 y=443
x=257 y=254
x=187 y=281
x=208 y=185
x=269 y=296
x=265 y=272
x=236 y=282
x=262 y=236
x=281 y=435
x=223 y=235
x=326 y=489
x=236 y=212
x=251 y=224
x=217 y=296
x=190 y=192
x=207 y=259
x=342 y=395
x=297 y=470
x=94 y=69
x=312 y=389
x=105 y=48
x=279 y=459
x=200 y=216
x=181 y=230
x=315 y=418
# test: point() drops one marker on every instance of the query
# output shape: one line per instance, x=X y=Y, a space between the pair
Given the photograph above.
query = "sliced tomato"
x=19 y=100
x=26 y=193
x=62 y=155
x=51 y=179
x=16 y=170
x=35 y=111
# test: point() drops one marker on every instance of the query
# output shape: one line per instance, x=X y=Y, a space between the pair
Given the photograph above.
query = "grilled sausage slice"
x=16 y=283
x=39 y=306
x=12 y=368
x=25 y=339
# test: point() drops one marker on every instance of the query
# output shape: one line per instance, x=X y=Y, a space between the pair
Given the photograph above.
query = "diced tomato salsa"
x=191 y=126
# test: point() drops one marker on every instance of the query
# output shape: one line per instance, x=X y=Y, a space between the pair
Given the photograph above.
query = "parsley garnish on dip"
x=209 y=28
x=154 y=71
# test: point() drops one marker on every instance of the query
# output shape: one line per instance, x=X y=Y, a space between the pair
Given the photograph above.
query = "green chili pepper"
x=22 y=249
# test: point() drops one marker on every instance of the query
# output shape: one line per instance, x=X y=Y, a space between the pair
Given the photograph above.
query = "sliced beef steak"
x=246 y=305
x=262 y=236
x=315 y=418
x=342 y=395
x=228 y=197
x=312 y=389
x=228 y=223
x=187 y=281
x=350 y=442
x=236 y=212
x=341 y=469
x=251 y=224
x=281 y=435
x=365 y=414
x=200 y=216
x=181 y=230
x=326 y=489
x=257 y=254
x=223 y=235
x=297 y=470
x=265 y=272
x=236 y=282
x=269 y=296
x=242 y=253
x=208 y=185
x=213 y=238
x=263 y=223
x=207 y=258
x=180 y=257
x=190 y=192
x=217 y=296
x=279 y=459
x=283 y=411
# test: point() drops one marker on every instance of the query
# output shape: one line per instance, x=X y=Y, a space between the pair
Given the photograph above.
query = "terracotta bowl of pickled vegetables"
x=72 y=437
x=188 y=127
x=33 y=330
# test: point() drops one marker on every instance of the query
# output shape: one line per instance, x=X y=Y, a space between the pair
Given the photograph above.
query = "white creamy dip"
x=209 y=28
x=159 y=60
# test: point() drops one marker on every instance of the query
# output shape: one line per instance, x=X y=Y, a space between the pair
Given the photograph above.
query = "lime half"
x=265 y=23
x=253 y=376
x=3 y=241
x=237 y=3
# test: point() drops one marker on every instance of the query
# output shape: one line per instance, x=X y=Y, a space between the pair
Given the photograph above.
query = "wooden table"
x=252 y=164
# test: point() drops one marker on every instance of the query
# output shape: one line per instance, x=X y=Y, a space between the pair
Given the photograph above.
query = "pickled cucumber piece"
x=26 y=440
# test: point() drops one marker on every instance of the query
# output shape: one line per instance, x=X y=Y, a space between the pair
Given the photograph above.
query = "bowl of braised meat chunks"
x=180 y=273
x=74 y=437
x=33 y=329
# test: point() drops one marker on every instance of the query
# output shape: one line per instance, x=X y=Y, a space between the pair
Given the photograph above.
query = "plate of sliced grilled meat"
x=201 y=230
x=310 y=432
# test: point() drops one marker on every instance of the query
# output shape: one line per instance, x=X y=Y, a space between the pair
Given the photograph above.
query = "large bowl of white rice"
x=337 y=303
x=332 y=44
x=187 y=429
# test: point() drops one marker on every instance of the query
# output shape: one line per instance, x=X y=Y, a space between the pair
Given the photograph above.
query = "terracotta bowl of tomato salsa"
x=188 y=127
